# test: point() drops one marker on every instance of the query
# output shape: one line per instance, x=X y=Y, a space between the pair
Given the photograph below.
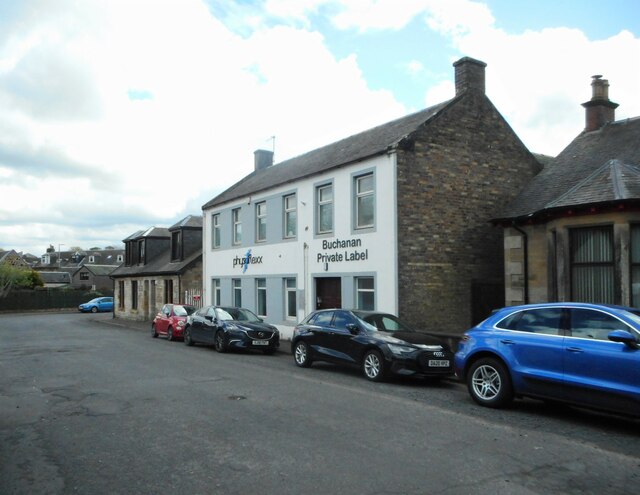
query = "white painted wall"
x=288 y=257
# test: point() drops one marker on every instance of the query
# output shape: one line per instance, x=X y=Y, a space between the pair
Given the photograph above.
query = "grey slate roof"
x=597 y=167
x=190 y=221
x=162 y=265
x=349 y=150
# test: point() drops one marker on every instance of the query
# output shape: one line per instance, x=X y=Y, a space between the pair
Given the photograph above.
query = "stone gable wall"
x=458 y=172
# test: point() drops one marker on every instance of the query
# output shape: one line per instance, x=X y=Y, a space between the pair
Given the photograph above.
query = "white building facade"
x=327 y=240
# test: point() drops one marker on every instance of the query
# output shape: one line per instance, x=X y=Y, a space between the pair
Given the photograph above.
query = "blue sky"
x=124 y=114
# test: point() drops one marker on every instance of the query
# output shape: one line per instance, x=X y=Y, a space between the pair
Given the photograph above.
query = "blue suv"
x=583 y=354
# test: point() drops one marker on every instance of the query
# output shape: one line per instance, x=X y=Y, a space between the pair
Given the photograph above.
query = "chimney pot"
x=599 y=110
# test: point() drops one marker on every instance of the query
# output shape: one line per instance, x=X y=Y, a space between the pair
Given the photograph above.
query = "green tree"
x=11 y=276
x=19 y=277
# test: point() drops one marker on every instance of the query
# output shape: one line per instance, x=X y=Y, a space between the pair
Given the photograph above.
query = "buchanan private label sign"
x=340 y=250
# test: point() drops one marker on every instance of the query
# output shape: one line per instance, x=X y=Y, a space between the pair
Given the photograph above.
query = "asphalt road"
x=89 y=407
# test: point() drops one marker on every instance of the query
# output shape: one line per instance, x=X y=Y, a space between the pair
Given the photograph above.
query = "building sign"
x=338 y=250
x=247 y=260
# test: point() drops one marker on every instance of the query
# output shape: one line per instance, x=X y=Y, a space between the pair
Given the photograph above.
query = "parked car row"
x=223 y=327
x=582 y=354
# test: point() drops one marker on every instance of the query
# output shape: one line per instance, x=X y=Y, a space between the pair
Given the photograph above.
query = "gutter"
x=526 y=260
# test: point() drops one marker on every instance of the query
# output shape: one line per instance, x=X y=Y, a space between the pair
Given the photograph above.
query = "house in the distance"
x=161 y=266
x=573 y=234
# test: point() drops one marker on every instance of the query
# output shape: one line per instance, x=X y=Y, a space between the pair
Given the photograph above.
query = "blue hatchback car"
x=582 y=354
x=97 y=304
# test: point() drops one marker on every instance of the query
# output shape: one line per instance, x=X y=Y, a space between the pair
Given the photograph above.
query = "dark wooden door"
x=328 y=293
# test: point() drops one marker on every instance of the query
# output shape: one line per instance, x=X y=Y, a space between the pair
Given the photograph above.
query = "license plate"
x=438 y=363
x=260 y=342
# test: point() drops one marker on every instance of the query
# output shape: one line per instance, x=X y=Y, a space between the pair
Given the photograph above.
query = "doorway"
x=328 y=293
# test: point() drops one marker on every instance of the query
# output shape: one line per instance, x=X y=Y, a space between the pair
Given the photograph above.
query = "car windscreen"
x=239 y=314
x=384 y=322
x=183 y=310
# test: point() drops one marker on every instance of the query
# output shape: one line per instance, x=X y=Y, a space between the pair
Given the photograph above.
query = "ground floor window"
x=236 y=285
x=635 y=266
x=290 y=303
x=168 y=291
x=134 y=294
x=121 y=294
x=365 y=293
x=261 y=296
x=592 y=265
x=215 y=292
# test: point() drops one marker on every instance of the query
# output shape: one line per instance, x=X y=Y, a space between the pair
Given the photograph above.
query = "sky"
x=119 y=115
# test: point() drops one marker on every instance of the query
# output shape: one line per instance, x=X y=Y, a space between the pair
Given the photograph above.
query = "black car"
x=230 y=328
x=378 y=343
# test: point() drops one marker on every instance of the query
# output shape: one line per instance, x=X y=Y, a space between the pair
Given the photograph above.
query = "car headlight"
x=399 y=350
x=180 y=323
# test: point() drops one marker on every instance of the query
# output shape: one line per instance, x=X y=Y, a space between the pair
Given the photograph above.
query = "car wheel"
x=221 y=344
x=154 y=334
x=489 y=383
x=94 y=309
x=170 y=334
x=301 y=355
x=187 y=336
x=373 y=366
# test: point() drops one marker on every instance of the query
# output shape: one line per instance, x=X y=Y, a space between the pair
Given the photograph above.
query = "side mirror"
x=624 y=337
x=207 y=317
x=353 y=328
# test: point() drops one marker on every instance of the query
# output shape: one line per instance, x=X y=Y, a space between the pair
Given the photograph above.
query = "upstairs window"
x=215 y=231
x=140 y=253
x=236 y=225
x=176 y=246
x=290 y=216
x=324 y=199
x=261 y=222
x=364 y=201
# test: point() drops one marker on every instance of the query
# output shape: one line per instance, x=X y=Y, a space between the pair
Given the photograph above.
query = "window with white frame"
x=290 y=216
x=290 y=302
x=215 y=231
x=236 y=285
x=364 y=201
x=324 y=199
x=120 y=258
x=215 y=292
x=261 y=297
x=237 y=226
x=365 y=293
x=261 y=221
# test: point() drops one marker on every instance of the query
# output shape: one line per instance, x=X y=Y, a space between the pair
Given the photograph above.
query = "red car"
x=170 y=320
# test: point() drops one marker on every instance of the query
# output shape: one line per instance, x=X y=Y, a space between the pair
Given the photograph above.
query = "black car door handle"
x=574 y=349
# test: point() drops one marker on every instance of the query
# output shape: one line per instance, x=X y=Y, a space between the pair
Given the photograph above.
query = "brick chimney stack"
x=262 y=159
x=600 y=110
x=469 y=75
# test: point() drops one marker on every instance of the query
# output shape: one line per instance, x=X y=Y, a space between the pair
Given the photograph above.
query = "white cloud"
x=77 y=147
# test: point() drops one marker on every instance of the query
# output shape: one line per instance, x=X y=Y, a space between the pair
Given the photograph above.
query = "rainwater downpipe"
x=526 y=261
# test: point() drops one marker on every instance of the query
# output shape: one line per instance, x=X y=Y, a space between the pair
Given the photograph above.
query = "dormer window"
x=46 y=259
x=176 y=246
x=141 y=252
x=120 y=258
x=92 y=259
